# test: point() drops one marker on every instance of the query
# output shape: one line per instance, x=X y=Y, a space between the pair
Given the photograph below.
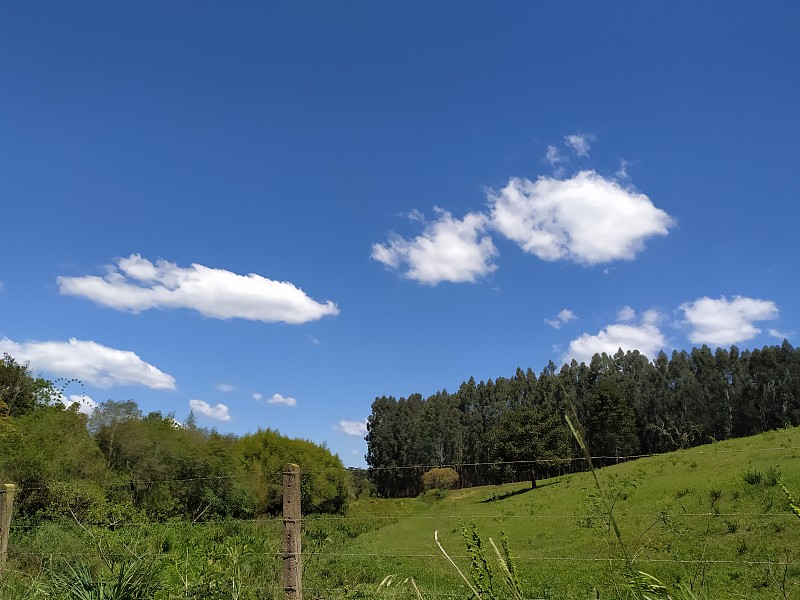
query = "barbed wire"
x=276 y=477
x=276 y=520
x=565 y=459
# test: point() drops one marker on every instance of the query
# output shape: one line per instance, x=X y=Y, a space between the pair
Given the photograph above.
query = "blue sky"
x=275 y=212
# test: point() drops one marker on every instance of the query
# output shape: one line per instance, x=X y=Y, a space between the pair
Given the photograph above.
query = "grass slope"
x=711 y=517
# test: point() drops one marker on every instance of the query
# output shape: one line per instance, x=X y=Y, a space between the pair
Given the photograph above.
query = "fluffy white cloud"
x=136 y=284
x=723 y=322
x=581 y=143
x=285 y=400
x=90 y=362
x=225 y=388
x=586 y=219
x=258 y=396
x=646 y=337
x=218 y=412
x=448 y=250
x=564 y=316
x=85 y=403
x=358 y=428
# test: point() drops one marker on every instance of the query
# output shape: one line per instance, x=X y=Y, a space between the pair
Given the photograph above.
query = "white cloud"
x=556 y=160
x=625 y=314
x=258 y=396
x=85 y=403
x=723 y=322
x=586 y=219
x=448 y=250
x=564 y=316
x=646 y=337
x=358 y=428
x=136 y=284
x=777 y=334
x=285 y=400
x=622 y=172
x=581 y=143
x=90 y=362
x=218 y=412
x=225 y=387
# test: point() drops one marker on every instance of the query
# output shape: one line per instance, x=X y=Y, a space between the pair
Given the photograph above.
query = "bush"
x=440 y=478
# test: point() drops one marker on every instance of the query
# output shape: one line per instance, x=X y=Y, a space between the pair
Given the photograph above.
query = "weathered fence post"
x=7 y=492
x=292 y=564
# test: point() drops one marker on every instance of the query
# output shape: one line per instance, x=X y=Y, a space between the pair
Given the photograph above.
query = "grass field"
x=713 y=518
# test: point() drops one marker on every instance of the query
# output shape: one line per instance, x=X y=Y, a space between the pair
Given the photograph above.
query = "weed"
x=681 y=493
x=772 y=476
x=752 y=477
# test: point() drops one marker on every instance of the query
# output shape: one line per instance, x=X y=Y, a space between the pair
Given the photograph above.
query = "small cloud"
x=218 y=412
x=314 y=340
x=778 y=335
x=415 y=215
x=564 y=316
x=285 y=400
x=225 y=387
x=449 y=249
x=622 y=172
x=580 y=143
x=135 y=284
x=723 y=322
x=358 y=428
x=90 y=362
x=85 y=403
x=257 y=396
x=646 y=337
x=626 y=314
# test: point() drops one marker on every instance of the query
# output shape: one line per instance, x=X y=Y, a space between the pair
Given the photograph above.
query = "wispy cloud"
x=218 y=412
x=564 y=316
x=90 y=362
x=225 y=388
x=723 y=322
x=581 y=143
x=284 y=400
x=646 y=337
x=586 y=219
x=135 y=284
x=453 y=250
x=258 y=396
x=625 y=314
x=358 y=428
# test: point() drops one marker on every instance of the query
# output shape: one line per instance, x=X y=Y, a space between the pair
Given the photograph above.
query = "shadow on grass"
x=524 y=490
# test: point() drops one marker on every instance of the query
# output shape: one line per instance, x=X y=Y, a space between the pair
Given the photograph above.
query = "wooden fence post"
x=7 y=492
x=292 y=564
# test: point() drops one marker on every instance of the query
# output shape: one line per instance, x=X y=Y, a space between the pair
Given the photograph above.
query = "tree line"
x=119 y=465
x=512 y=429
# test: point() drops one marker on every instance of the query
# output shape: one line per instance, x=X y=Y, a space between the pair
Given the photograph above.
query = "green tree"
x=530 y=441
x=21 y=392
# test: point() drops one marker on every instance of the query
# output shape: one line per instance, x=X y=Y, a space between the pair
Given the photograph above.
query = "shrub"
x=440 y=478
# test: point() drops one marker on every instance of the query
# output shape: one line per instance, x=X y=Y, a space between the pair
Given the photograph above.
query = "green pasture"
x=713 y=519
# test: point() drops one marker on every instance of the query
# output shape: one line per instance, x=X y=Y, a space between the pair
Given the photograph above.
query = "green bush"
x=440 y=478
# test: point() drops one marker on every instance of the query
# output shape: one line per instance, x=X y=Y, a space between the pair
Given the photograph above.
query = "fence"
x=334 y=554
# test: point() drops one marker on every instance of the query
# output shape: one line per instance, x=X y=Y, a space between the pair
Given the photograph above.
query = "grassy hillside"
x=712 y=517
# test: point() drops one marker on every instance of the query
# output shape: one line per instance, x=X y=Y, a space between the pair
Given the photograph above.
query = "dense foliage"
x=510 y=429
x=120 y=466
